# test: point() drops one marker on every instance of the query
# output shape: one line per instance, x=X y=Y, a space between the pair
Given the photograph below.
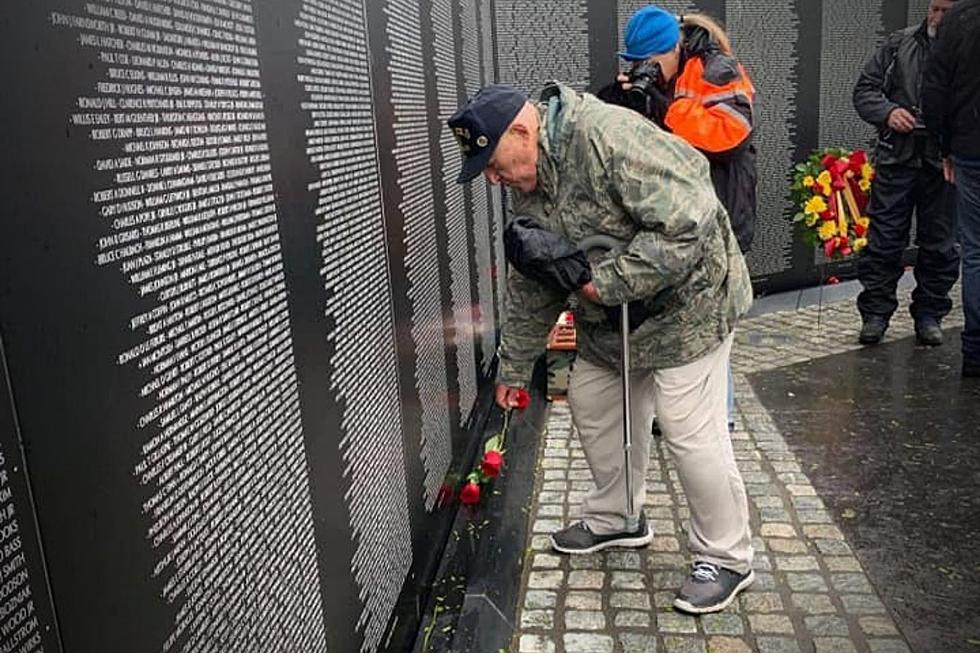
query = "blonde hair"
x=714 y=29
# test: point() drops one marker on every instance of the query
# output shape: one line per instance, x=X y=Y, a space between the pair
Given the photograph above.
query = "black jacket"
x=733 y=172
x=951 y=88
x=892 y=78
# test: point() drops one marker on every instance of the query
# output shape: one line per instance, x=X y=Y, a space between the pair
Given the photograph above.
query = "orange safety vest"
x=705 y=114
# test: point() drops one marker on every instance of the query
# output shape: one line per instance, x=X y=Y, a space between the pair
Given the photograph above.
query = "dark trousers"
x=896 y=192
x=968 y=204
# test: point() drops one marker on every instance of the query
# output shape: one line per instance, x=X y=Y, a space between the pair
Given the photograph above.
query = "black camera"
x=642 y=76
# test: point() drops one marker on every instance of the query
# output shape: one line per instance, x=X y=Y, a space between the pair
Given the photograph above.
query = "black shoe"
x=928 y=332
x=710 y=588
x=971 y=369
x=655 y=428
x=577 y=538
x=873 y=330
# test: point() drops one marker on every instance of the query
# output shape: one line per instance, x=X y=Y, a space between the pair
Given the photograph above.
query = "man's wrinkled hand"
x=590 y=293
x=508 y=396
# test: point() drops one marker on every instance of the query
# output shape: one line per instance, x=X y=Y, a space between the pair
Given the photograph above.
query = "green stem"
x=503 y=431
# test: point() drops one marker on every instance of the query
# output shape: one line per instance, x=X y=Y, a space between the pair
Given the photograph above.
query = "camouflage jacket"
x=605 y=169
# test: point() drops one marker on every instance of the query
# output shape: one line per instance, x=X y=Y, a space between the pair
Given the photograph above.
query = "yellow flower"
x=808 y=181
x=867 y=171
x=827 y=230
x=815 y=205
x=810 y=220
x=824 y=180
x=859 y=244
x=864 y=221
x=864 y=185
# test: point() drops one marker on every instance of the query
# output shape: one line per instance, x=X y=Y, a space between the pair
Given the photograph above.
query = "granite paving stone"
x=811 y=593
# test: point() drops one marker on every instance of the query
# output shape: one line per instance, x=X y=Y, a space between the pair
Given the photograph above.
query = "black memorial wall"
x=245 y=311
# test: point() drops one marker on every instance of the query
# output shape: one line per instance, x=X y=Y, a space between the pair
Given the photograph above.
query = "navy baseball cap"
x=479 y=125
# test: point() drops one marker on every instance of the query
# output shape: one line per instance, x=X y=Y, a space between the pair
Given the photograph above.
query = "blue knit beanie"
x=650 y=31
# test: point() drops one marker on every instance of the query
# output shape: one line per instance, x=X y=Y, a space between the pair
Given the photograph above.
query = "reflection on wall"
x=542 y=40
x=756 y=32
x=850 y=33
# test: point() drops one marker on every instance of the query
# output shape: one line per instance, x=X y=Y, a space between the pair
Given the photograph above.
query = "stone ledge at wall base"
x=473 y=603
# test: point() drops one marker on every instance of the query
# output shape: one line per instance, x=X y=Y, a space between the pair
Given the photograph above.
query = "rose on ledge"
x=493 y=458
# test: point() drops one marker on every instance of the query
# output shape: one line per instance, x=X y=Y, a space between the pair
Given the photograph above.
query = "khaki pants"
x=690 y=404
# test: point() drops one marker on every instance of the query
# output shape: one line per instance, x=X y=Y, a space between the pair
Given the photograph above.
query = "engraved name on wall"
x=447 y=93
x=756 y=32
x=542 y=40
x=341 y=145
x=176 y=128
x=20 y=628
x=405 y=78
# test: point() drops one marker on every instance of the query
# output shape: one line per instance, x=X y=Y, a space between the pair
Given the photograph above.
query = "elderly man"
x=909 y=177
x=578 y=167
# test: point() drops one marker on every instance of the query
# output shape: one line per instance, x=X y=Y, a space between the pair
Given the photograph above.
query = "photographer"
x=686 y=79
x=909 y=177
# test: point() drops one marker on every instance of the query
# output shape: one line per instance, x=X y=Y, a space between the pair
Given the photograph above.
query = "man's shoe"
x=873 y=330
x=928 y=332
x=971 y=369
x=578 y=538
x=710 y=588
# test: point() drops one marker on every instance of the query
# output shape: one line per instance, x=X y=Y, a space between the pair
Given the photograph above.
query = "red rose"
x=470 y=494
x=832 y=281
x=828 y=161
x=522 y=399
x=860 y=229
x=492 y=462
x=829 y=246
x=858 y=159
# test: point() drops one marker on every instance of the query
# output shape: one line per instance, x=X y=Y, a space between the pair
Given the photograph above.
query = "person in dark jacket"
x=908 y=178
x=951 y=109
x=686 y=79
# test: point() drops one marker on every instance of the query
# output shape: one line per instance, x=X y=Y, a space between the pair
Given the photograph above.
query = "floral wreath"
x=831 y=190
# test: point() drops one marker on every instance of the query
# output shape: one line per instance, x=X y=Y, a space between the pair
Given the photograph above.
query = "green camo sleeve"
x=664 y=185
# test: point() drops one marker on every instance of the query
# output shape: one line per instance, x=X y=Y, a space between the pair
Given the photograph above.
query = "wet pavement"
x=890 y=438
x=860 y=466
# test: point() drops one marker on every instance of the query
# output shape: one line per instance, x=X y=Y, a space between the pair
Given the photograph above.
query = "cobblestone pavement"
x=811 y=593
